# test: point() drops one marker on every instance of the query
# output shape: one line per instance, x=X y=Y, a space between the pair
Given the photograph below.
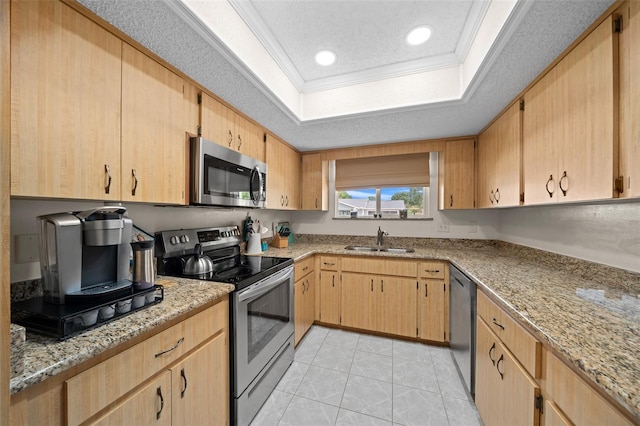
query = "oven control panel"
x=183 y=241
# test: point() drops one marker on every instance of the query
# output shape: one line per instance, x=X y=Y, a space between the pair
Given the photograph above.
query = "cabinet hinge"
x=619 y=184
x=199 y=98
x=522 y=197
x=264 y=137
x=445 y=336
x=521 y=104
x=199 y=130
x=417 y=285
x=417 y=332
x=444 y=287
x=617 y=24
x=539 y=402
x=474 y=144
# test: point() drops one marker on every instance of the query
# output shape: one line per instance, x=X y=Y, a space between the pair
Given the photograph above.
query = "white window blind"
x=378 y=172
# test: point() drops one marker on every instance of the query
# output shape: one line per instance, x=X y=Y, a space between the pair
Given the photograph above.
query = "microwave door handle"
x=264 y=287
x=255 y=199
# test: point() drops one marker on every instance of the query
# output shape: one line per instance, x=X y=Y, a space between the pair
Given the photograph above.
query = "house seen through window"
x=382 y=202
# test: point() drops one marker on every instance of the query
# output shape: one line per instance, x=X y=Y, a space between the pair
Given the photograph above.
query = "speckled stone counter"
x=44 y=356
x=587 y=313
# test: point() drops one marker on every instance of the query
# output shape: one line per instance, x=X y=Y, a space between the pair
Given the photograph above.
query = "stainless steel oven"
x=260 y=312
x=263 y=341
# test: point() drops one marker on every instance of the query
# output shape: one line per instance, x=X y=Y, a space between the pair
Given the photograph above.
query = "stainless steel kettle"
x=198 y=263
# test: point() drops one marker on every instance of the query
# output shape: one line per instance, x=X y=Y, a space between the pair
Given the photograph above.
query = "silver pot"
x=198 y=263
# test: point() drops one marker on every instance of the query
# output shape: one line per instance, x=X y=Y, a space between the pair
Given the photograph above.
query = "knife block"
x=279 y=241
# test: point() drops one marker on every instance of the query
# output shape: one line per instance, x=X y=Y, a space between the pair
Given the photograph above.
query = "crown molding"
x=469 y=32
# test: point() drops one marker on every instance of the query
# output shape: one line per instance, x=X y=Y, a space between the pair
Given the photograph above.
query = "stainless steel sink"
x=397 y=250
x=361 y=248
x=387 y=249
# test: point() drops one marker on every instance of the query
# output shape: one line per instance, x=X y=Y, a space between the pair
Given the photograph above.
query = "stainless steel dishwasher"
x=462 y=326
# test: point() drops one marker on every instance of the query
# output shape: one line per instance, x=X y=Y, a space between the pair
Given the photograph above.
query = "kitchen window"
x=386 y=187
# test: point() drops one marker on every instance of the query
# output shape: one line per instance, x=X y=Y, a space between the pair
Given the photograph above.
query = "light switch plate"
x=26 y=248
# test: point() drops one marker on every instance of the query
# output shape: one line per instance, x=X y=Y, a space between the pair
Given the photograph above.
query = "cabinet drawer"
x=578 y=400
x=379 y=266
x=432 y=269
x=523 y=345
x=111 y=379
x=329 y=263
x=303 y=267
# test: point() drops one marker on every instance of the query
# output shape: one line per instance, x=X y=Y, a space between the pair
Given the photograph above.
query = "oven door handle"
x=264 y=286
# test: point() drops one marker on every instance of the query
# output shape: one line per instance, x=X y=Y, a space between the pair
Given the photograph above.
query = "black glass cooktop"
x=240 y=270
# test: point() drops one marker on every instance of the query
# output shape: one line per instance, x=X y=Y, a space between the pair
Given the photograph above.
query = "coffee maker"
x=84 y=256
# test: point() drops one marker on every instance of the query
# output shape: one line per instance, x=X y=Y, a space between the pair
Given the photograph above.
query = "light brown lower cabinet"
x=150 y=404
x=433 y=299
x=329 y=297
x=304 y=295
x=177 y=376
x=575 y=401
x=505 y=393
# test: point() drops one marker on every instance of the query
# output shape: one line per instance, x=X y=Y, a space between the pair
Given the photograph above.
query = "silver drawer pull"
x=172 y=348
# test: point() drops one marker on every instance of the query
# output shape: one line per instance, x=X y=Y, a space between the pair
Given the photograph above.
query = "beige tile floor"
x=346 y=378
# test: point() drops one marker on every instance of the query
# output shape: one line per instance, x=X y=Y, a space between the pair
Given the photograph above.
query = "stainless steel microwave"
x=220 y=176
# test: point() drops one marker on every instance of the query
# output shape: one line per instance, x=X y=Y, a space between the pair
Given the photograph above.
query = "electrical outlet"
x=473 y=227
x=27 y=248
x=443 y=227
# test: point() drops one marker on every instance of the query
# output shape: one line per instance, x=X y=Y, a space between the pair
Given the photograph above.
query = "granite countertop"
x=586 y=312
x=44 y=357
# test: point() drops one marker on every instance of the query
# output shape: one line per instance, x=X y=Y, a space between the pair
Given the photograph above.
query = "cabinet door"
x=309 y=302
x=314 y=192
x=299 y=309
x=213 y=120
x=499 y=158
x=457 y=172
x=253 y=138
x=585 y=99
x=488 y=389
x=65 y=104
x=397 y=306
x=553 y=416
x=505 y=393
x=431 y=310
x=283 y=177
x=200 y=393
x=568 y=134
x=153 y=131
x=148 y=405
x=629 y=49
x=359 y=295
x=330 y=297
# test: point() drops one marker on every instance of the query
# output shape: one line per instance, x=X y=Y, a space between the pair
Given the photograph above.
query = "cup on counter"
x=254 y=246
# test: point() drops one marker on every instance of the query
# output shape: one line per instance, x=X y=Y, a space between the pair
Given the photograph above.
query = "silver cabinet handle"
x=173 y=348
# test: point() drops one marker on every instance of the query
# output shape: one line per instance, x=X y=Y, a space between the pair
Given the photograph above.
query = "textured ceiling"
x=545 y=30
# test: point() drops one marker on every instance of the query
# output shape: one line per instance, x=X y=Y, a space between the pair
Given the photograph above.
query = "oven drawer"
x=116 y=376
x=303 y=267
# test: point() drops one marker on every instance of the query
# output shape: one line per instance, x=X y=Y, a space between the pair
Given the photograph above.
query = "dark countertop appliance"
x=84 y=260
x=260 y=312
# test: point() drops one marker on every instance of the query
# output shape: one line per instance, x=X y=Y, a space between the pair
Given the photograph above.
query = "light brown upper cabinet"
x=499 y=156
x=153 y=131
x=283 y=175
x=225 y=127
x=629 y=43
x=456 y=175
x=65 y=104
x=314 y=192
x=569 y=140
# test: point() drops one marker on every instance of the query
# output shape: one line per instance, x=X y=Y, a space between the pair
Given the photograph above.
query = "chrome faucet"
x=381 y=234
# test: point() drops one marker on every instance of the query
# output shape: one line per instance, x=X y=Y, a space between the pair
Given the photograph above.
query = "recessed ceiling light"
x=325 y=57
x=418 y=35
